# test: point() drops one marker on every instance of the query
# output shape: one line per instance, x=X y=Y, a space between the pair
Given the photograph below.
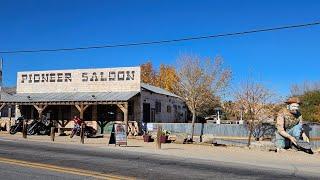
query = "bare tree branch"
x=199 y=81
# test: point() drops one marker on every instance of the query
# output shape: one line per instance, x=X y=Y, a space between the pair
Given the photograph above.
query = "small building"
x=98 y=96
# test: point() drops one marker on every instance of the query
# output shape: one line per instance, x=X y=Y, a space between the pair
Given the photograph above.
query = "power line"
x=164 y=41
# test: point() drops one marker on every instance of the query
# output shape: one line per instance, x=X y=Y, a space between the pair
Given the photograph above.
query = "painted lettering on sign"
x=108 y=76
x=80 y=80
x=85 y=77
x=47 y=77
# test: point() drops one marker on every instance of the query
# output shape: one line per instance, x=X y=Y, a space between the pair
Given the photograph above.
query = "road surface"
x=35 y=160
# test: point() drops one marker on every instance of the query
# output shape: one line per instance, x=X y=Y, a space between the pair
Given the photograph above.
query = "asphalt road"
x=34 y=160
x=13 y=172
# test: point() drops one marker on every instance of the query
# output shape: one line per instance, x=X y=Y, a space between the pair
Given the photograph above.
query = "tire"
x=32 y=131
x=13 y=129
x=88 y=135
x=72 y=134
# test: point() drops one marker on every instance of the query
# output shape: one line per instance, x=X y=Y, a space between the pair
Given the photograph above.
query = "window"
x=169 y=109
x=158 y=107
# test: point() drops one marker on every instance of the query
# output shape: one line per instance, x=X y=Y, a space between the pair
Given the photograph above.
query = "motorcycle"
x=17 y=127
x=40 y=127
x=88 y=131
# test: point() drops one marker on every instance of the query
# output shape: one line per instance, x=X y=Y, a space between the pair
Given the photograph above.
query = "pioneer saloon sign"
x=80 y=80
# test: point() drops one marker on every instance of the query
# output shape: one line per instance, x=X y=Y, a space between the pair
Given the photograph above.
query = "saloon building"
x=97 y=96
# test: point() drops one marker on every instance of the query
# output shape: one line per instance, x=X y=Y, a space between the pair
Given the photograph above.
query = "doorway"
x=146 y=112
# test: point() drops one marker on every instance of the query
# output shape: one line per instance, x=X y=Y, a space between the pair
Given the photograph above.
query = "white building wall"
x=166 y=117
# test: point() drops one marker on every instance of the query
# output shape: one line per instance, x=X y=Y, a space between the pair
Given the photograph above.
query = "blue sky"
x=278 y=58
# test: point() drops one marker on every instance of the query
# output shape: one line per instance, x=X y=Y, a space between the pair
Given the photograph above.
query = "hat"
x=293 y=100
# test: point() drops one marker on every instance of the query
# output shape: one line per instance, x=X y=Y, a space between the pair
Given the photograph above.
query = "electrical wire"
x=164 y=41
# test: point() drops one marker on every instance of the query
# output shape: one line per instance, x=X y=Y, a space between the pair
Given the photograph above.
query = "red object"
x=163 y=139
x=77 y=121
x=147 y=138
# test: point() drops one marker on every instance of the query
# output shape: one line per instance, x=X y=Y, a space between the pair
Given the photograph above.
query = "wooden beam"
x=124 y=109
x=40 y=108
x=2 y=106
x=85 y=107
x=9 y=121
x=123 y=106
x=65 y=103
x=78 y=107
x=81 y=108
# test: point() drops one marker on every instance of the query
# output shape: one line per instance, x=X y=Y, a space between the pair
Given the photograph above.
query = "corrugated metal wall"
x=215 y=129
x=230 y=130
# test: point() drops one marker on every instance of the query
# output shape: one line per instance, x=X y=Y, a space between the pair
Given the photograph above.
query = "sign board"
x=118 y=135
x=80 y=80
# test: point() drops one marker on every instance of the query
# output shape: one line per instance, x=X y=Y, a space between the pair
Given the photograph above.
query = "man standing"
x=289 y=125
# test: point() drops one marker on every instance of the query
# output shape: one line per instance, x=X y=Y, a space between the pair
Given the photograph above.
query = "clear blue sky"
x=278 y=58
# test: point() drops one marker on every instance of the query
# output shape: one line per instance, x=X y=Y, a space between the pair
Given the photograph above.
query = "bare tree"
x=257 y=103
x=199 y=81
x=306 y=86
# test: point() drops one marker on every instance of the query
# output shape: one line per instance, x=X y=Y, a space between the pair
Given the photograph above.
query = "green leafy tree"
x=310 y=107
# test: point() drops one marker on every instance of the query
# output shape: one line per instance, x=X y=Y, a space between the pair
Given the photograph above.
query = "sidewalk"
x=295 y=162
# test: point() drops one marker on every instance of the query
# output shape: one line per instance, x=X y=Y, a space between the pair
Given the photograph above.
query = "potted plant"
x=164 y=136
x=147 y=137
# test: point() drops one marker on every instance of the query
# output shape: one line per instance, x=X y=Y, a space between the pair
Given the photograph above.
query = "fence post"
x=82 y=133
x=24 y=128
x=159 y=132
x=52 y=132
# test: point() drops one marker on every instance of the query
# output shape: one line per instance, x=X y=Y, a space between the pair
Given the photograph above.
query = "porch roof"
x=67 y=97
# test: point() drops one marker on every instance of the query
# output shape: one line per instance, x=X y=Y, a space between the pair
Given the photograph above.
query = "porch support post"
x=9 y=120
x=95 y=116
x=60 y=118
x=81 y=108
x=1 y=107
x=17 y=111
x=124 y=109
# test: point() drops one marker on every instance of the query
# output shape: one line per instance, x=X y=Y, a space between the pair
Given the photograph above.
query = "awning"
x=68 y=98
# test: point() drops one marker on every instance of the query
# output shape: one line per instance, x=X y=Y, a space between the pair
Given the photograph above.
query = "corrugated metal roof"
x=80 y=96
x=158 y=90
x=69 y=96
x=9 y=90
x=5 y=96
